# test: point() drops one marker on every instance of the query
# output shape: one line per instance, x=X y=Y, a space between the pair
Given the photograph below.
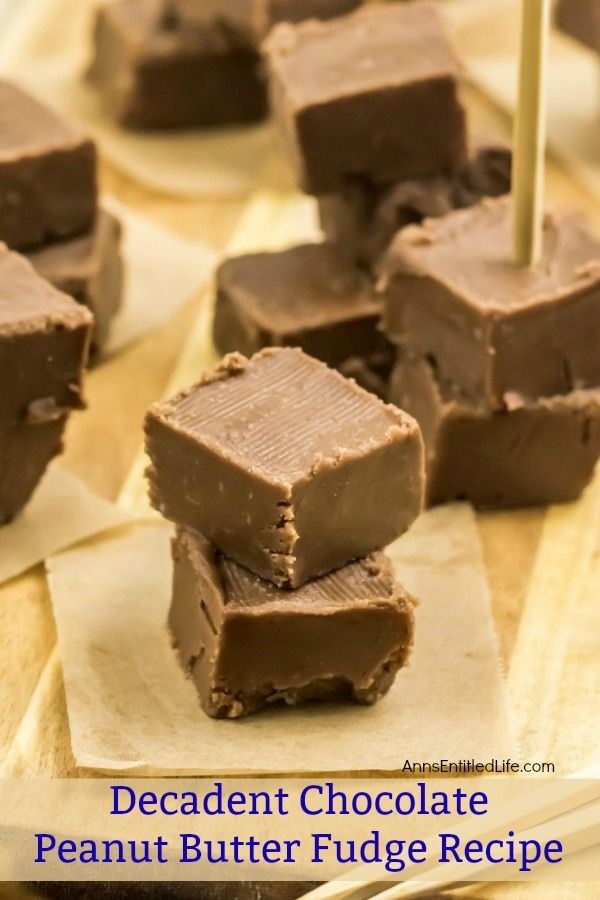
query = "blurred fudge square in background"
x=90 y=269
x=310 y=296
x=154 y=72
x=47 y=173
x=371 y=94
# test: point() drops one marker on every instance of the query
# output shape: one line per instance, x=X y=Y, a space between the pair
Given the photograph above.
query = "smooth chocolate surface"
x=363 y=217
x=496 y=330
x=154 y=72
x=542 y=452
x=372 y=94
x=44 y=337
x=90 y=269
x=286 y=466
x=309 y=296
x=248 y=643
x=26 y=448
x=580 y=19
x=47 y=173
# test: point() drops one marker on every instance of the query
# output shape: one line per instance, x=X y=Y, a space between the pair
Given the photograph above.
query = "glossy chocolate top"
x=469 y=251
x=283 y=413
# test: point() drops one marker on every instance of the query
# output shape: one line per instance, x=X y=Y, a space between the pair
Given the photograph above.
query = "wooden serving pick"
x=530 y=134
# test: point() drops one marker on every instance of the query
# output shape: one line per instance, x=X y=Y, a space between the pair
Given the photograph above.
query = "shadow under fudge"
x=44 y=337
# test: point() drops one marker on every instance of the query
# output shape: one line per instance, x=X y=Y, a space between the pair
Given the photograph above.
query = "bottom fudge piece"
x=25 y=451
x=364 y=217
x=538 y=453
x=247 y=643
x=90 y=269
x=311 y=297
x=154 y=72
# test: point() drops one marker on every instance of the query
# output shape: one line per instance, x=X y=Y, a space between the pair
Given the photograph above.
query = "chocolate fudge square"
x=542 y=452
x=152 y=71
x=90 y=269
x=372 y=94
x=26 y=448
x=47 y=173
x=363 y=217
x=247 y=643
x=494 y=329
x=580 y=19
x=289 y=468
x=309 y=296
x=44 y=337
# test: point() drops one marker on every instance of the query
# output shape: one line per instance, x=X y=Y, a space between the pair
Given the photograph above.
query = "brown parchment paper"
x=131 y=709
x=46 y=47
x=63 y=511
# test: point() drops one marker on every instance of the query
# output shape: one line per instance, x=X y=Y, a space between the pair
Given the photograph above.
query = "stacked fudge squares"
x=368 y=111
x=162 y=64
x=67 y=261
x=498 y=363
x=49 y=206
x=285 y=480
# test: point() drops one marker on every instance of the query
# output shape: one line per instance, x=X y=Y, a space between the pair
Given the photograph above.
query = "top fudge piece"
x=499 y=332
x=286 y=466
x=581 y=20
x=372 y=94
x=44 y=336
x=47 y=173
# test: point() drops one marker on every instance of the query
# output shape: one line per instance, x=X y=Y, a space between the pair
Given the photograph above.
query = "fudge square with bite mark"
x=286 y=466
x=47 y=173
x=372 y=94
x=247 y=643
x=501 y=333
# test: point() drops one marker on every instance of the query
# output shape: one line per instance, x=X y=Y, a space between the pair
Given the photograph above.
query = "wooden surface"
x=555 y=725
